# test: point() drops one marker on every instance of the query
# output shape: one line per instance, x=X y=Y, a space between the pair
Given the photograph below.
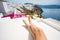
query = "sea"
x=50 y=11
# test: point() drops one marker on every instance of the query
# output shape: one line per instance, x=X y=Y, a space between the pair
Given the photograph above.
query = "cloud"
x=41 y=2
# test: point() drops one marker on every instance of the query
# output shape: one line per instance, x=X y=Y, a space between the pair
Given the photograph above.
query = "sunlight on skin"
x=36 y=32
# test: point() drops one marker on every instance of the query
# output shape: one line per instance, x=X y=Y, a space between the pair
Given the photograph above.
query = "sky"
x=40 y=2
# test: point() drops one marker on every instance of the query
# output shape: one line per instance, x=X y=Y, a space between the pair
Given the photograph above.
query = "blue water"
x=51 y=13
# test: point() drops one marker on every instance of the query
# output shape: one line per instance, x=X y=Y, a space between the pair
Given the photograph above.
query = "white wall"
x=13 y=29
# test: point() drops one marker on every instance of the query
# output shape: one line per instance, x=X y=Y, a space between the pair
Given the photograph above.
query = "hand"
x=36 y=32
